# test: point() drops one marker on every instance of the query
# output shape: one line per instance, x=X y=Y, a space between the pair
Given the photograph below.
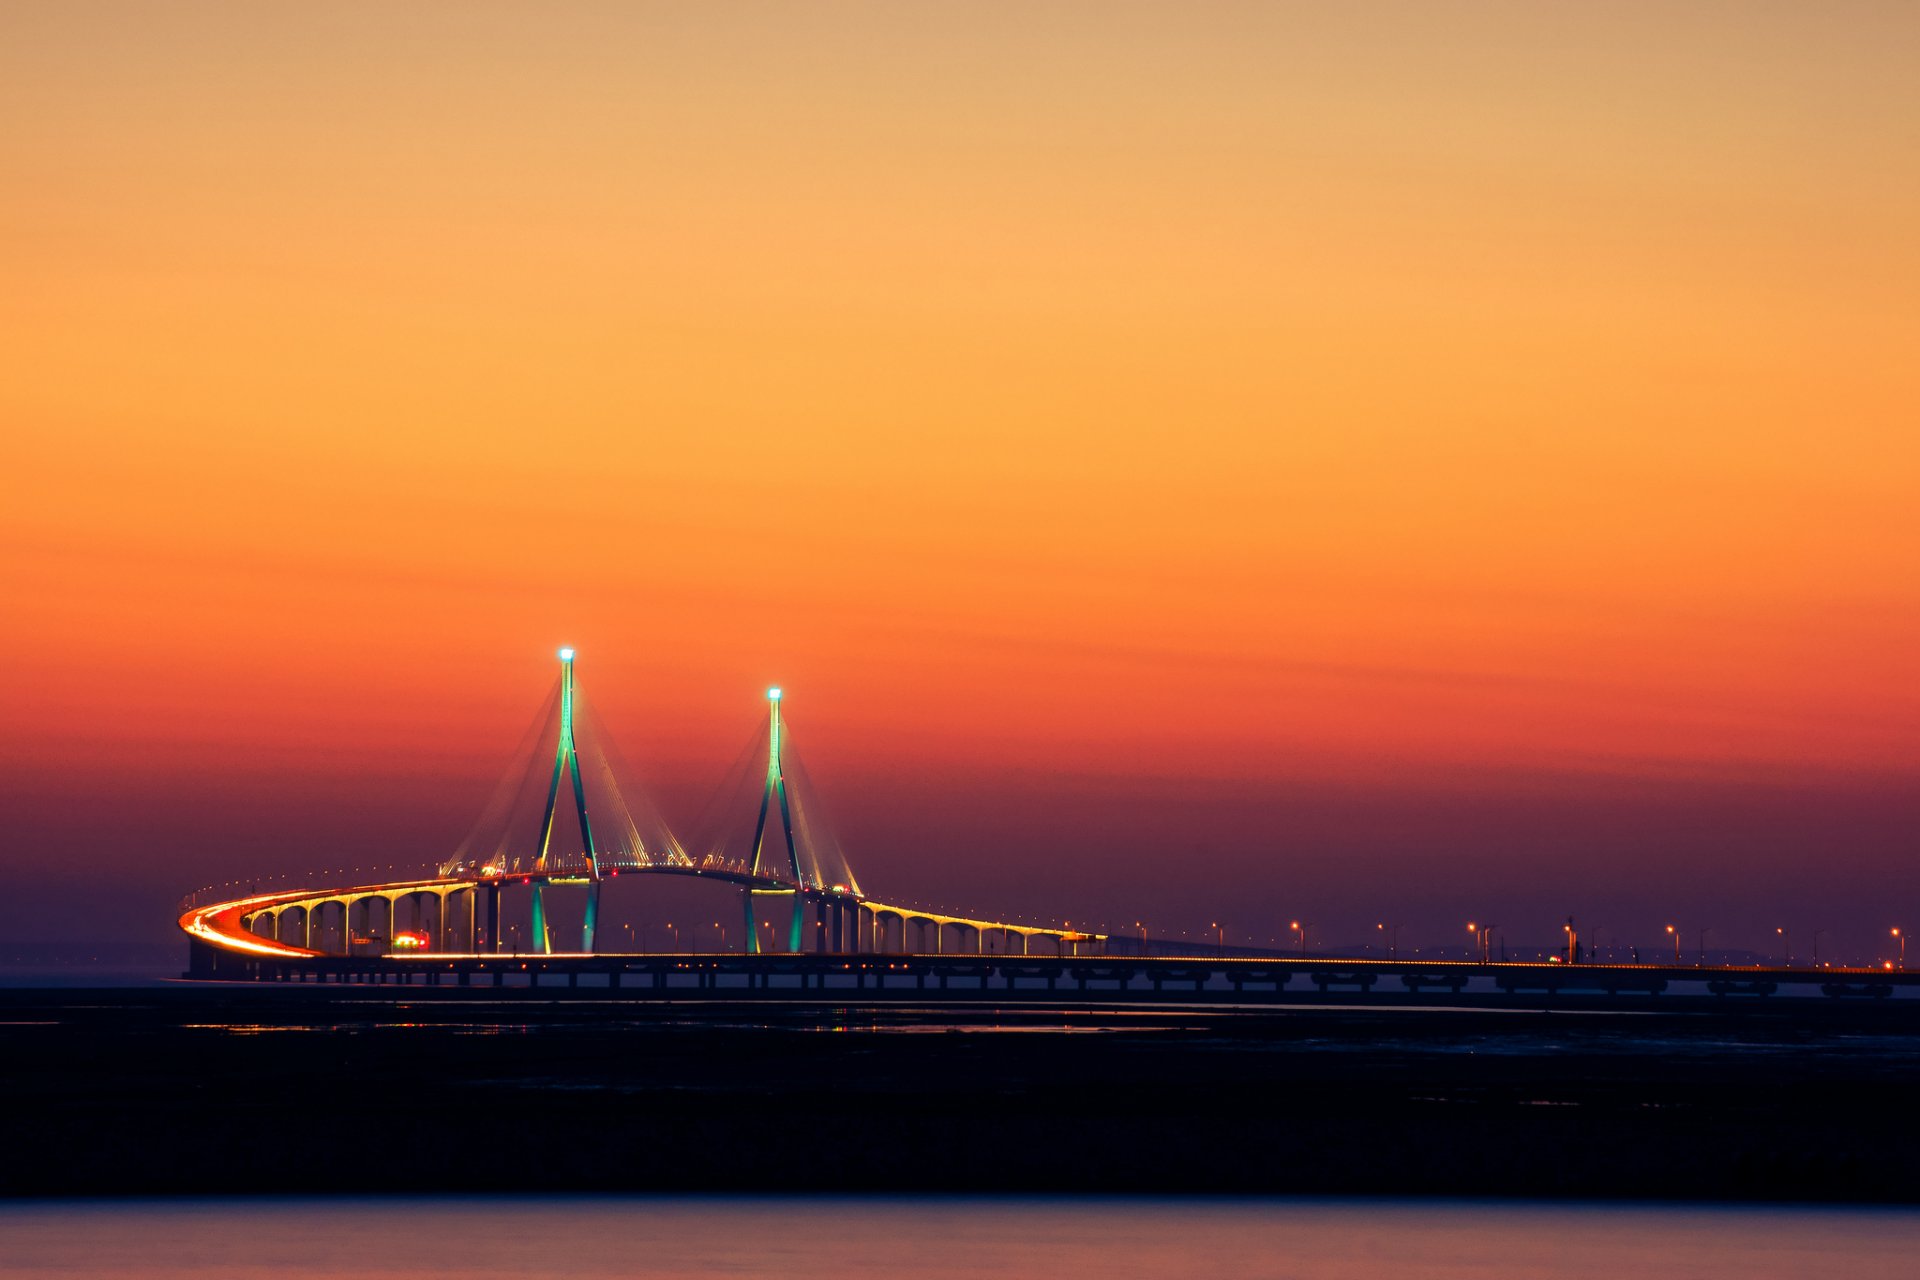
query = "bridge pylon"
x=566 y=760
x=776 y=788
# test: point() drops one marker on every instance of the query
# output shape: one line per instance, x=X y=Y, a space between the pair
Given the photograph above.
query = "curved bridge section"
x=287 y=927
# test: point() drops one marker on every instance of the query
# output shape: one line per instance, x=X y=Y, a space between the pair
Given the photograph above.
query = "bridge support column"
x=541 y=942
x=493 y=918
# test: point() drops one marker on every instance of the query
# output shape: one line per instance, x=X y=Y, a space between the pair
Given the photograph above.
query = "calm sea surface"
x=581 y=1239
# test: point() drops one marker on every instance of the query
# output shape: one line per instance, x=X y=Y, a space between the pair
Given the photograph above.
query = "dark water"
x=584 y=1238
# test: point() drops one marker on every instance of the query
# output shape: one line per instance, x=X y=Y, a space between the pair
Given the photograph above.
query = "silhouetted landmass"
x=243 y=1090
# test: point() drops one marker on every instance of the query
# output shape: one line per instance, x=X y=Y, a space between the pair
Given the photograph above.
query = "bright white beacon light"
x=773 y=694
x=566 y=655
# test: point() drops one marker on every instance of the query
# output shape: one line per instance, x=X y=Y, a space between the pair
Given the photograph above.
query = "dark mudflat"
x=242 y=1089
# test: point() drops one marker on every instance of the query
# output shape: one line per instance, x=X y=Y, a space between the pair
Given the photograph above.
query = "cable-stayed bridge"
x=569 y=817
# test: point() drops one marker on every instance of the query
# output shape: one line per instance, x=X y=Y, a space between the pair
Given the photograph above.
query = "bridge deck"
x=1016 y=978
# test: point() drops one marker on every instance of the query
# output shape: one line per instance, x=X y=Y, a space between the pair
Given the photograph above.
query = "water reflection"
x=841 y=1237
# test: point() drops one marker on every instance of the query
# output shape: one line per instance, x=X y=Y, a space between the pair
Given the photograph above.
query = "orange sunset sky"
x=1196 y=460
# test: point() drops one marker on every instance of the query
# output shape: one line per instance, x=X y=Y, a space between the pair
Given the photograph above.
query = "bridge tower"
x=776 y=787
x=566 y=760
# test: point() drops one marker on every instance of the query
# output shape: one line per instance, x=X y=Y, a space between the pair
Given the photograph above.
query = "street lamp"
x=674 y=931
x=1675 y=935
x=1816 y=946
x=1483 y=935
x=723 y=934
x=1300 y=931
x=1786 y=947
x=1901 y=938
x=1220 y=930
x=1393 y=939
x=1703 y=947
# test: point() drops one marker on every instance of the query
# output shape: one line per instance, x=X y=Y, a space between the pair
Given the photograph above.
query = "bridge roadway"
x=1013 y=978
x=865 y=961
x=227 y=930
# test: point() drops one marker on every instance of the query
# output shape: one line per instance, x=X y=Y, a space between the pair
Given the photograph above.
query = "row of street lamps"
x=1483 y=940
x=1390 y=931
x=1482 y=934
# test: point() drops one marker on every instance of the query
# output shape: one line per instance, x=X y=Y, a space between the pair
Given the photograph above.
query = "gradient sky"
x=1185 y=461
